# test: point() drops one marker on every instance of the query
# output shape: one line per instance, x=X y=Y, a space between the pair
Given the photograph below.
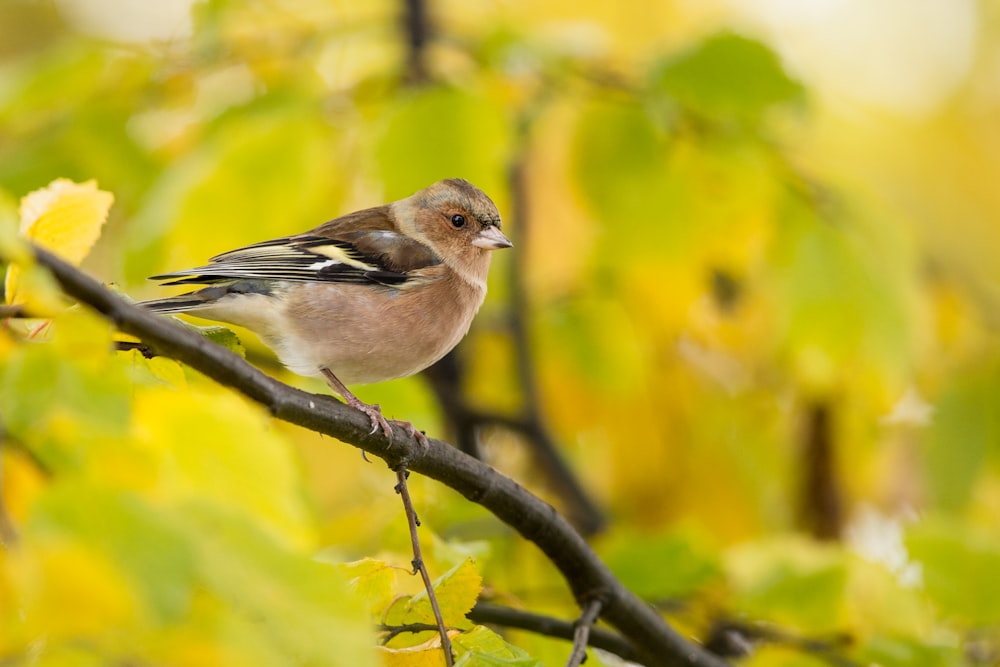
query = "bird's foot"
x=374 y=413
x=412 y=430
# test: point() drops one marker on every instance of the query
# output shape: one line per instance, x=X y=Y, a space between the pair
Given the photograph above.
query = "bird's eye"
x=458 y=221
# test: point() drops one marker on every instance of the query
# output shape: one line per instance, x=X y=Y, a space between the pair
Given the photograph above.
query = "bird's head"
x=457 y=220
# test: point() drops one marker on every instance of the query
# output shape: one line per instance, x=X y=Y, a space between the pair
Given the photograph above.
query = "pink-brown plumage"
x=371 y=296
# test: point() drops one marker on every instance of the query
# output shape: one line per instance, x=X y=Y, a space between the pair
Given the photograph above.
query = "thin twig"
x=418 y=561
x=391 y=631
x=508 y=617
x=736 y=639
x=533 y=518
x=141 y=348
x=581 y=631
x=581 y=509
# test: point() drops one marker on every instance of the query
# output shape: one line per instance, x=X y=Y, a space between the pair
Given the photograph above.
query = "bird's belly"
x=364 y=344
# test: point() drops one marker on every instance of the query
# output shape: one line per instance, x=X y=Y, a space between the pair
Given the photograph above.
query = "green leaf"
x=769 y=581
x=670 y=198
x=964 y=430
x=597 y=335
x=659 y=567
x=220 y=335
x=482 y=646
x=910 y=652
x=960 y=565
x=439 y=132
x=620 y=157
x=61 y=395
x=142 y=541
x=842 y=312
x=300 y=605
x=730 y=76
x=275 y=152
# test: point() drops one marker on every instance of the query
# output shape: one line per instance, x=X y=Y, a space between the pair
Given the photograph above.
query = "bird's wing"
x=364 y=256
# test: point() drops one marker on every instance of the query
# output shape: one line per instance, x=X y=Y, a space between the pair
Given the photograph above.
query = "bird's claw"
x=412 y=430
x=374 y=413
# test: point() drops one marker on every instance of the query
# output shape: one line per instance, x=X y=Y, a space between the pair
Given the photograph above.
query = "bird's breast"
x=367 y=334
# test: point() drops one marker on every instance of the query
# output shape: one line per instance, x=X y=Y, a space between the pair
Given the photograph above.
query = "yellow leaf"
x=457 y=591
x=428 y=654
x=22 y=482
x=66 y=218
x=55 y=579
x=215 y=448
x=373 y=581
x=155 y=371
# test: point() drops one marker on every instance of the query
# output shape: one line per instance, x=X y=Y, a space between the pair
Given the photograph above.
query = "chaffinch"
x=373 y=295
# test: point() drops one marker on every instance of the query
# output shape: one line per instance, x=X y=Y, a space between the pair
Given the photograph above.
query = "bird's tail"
x=175 y=304
x=206 y=297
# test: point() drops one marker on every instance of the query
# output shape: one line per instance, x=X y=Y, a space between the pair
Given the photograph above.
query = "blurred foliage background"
x=757 y=270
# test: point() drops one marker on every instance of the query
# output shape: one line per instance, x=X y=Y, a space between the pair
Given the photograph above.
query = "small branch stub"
x=418 y=561
x=581 y=633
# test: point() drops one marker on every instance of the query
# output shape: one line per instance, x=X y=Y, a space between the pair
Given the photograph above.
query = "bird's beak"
x=491 y=238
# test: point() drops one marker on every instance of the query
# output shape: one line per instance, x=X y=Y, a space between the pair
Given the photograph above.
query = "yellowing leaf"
x=22 y=482
x=208 y=455
x=768 y=577
x=428 y=654
x=457 y=590
x=38 y=292
x=66 y=218
x=56 y=579
x=300 y=607
x=167 y=370
x=147 y=547
x=373 y=581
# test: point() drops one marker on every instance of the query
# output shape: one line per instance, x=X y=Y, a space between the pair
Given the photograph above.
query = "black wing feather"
x=362 y=257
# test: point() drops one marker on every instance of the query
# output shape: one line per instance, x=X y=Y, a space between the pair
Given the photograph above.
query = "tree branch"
x=13 y=311
x=581 y=509
x=738 y=638
x=822 y=501
x=536 y=520
x=417 y=28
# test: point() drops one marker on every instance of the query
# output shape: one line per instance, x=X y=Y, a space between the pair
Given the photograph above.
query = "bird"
x=371 y=296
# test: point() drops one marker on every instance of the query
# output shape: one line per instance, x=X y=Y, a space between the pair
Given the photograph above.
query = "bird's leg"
x=374 y=412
